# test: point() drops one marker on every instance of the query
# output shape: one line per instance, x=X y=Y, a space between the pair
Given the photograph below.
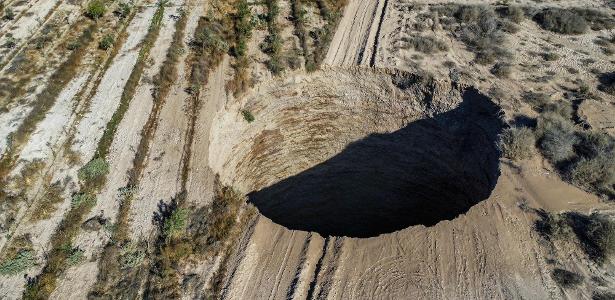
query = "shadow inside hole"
x=431 y=170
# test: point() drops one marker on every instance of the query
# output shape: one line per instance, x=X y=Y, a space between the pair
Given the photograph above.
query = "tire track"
x=372 y=61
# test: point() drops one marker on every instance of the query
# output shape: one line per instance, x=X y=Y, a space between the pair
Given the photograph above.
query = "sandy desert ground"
x=307 y=149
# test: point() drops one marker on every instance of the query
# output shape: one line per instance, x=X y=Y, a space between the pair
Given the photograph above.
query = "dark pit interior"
x=431 y=170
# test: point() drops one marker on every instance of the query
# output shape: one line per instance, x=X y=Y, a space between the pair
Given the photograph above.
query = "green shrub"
x=8 y=14
x=123 y=10
x=96 y=9
x=82 y=199
x=94 y=170
x=132 y=255
x=561 y=21
x=20 y=262
x=247 y=115
x=566 y=278
x=106 y=42
x=73 y=45
x=175 y=224
x=75 y=256
x=243 y=28
x=517 y=143
x=10 y=43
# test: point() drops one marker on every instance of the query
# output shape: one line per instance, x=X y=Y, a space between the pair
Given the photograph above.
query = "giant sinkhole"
x=360 y=152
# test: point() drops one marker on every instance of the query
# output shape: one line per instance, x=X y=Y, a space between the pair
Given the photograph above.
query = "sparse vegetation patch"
x=562 y=21
x=426 y=44
x=479 y=27
x=595 y=233
x=94 y=170
x=22 y=261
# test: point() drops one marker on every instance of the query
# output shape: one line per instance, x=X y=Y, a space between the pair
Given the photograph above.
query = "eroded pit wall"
x=306 y=119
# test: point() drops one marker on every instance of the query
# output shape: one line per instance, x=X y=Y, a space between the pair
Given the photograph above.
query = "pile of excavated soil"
x=360 y=152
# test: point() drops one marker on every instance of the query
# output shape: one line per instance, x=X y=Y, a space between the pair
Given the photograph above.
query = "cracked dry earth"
x=376 y=176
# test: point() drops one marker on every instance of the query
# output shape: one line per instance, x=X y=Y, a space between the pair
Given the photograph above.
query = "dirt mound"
x=350 y=153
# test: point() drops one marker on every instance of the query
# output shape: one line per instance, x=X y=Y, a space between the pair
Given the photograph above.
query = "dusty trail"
x=353 y=40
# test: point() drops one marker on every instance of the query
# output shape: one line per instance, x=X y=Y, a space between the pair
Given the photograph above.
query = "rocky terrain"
x=307 y=149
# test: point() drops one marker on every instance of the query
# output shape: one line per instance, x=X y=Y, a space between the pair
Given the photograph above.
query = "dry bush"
x=502 y=70
x=597 y=20
x=550 y=56
x=199 y=233
x=299 y=21
x=561 y=20
x=556 y=137
x=517 y=143
x=566 y=279
x=243 y=25
x=607 y=83
x=560 y=108
x=481 y=31
x=426 y=44
x=603 y=295
x=515 y=13
x=47 y=205
x=594 y=170
x=595 y=233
